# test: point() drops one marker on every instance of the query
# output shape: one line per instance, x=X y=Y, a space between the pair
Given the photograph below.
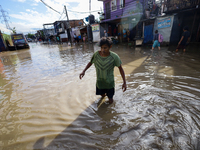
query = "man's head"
x=156 y=31
x=186 y=28
x=105 y=44
x=105 y=40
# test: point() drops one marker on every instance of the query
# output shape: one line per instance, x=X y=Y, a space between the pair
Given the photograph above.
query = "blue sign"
x=165 y=23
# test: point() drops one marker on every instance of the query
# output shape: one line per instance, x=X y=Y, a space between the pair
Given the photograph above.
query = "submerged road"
x=44 y=104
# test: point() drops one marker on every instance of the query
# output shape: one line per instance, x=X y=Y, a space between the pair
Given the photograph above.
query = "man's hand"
x=81 y=75
x=124 y=87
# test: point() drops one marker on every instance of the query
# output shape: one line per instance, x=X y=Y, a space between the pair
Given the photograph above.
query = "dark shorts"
x=108 y=92
x=182 y=46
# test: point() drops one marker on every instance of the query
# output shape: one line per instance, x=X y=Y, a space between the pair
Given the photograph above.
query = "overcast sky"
x=30 y=15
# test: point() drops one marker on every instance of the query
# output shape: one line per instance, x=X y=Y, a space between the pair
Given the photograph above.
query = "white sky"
x=29 y=15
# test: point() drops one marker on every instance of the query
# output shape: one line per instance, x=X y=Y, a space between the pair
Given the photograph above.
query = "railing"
x=134 y=7
x=114 y=7
x=122 y=5
x=180 y=5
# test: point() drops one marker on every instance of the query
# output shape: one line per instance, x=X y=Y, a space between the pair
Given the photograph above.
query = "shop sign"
x=164 y=23
x=95 y=27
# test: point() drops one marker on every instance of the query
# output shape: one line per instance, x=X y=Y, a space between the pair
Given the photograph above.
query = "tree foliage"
x=31 y=35
x=14 y=30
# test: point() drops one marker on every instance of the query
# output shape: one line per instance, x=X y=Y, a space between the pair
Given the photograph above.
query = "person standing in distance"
x=184 y=39
x=156 y=43
x=105 y=61
x=105 y=33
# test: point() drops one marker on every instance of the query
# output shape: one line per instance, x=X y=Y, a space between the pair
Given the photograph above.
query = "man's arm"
x=86 y=68
x=121 y=70
x=181 y=40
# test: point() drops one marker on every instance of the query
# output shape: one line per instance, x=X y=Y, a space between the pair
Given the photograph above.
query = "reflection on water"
x=44 y=105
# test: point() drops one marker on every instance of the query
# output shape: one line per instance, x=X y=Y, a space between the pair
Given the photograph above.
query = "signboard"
x=61 y=30
x=164 y=23
x=17 y=37
x=95 y=28
x=62 y=36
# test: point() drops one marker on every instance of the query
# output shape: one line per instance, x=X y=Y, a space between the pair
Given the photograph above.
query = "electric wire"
x=49 y=6
x=84 y=12
x=61 y=14
x=68 y=10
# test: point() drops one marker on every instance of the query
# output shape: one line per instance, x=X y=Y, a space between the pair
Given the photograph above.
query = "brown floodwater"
x=44 y=104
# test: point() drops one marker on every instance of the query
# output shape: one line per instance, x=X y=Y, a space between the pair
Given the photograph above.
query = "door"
x=108 y=10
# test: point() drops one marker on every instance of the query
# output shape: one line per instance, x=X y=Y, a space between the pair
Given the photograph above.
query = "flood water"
x=44 y=104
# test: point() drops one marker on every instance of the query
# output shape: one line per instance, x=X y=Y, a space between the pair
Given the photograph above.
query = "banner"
x=95 y=28
x=96 y=36
x=164 y=23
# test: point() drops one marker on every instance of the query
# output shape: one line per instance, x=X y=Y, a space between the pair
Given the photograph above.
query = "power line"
x=68 y=10
x=63 y=17
x=83 y=12
x=62 y=14
x=49 y=6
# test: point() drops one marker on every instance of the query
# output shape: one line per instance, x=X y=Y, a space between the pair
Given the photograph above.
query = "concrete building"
x=121 y=16
x=143 y=17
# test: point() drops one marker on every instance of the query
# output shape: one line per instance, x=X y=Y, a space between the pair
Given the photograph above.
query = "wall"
x=75 y=23
x=176 y=30
x=183 y=19
x=131 y=8
x=2 y=44
x=165 y=27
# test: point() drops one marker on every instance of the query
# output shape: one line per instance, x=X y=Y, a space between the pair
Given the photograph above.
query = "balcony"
x=174 y=6
x=129 y=9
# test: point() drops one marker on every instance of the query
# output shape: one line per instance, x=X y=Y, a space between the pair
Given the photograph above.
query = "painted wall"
x=131 y=8
x=164 y=26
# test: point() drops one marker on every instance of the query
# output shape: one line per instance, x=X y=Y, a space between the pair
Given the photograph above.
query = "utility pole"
x=68 y=26
x=4 y=17
x=89 y=28
x=90 y=6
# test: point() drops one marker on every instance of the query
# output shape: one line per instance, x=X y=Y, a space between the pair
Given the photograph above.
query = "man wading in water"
x=105 y=61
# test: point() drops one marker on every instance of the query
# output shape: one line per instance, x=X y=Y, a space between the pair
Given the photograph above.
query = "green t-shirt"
x=105 y=69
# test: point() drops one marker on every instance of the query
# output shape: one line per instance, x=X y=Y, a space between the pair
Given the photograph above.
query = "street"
x=44 y=104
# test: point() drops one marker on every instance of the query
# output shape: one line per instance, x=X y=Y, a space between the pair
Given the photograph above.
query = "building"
x=133 y=15
x=61 y=28
x=143 y=17
x=185 y=13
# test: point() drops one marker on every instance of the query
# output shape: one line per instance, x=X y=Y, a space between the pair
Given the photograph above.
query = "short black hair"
x=105 y=40
x=186 y=28
x=156 y=31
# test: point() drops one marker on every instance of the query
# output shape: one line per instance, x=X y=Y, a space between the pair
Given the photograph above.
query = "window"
x=114 y=5
x=122 y=3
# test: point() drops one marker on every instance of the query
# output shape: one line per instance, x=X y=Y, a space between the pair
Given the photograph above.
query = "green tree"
x=30 y=35
x=13 y=30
